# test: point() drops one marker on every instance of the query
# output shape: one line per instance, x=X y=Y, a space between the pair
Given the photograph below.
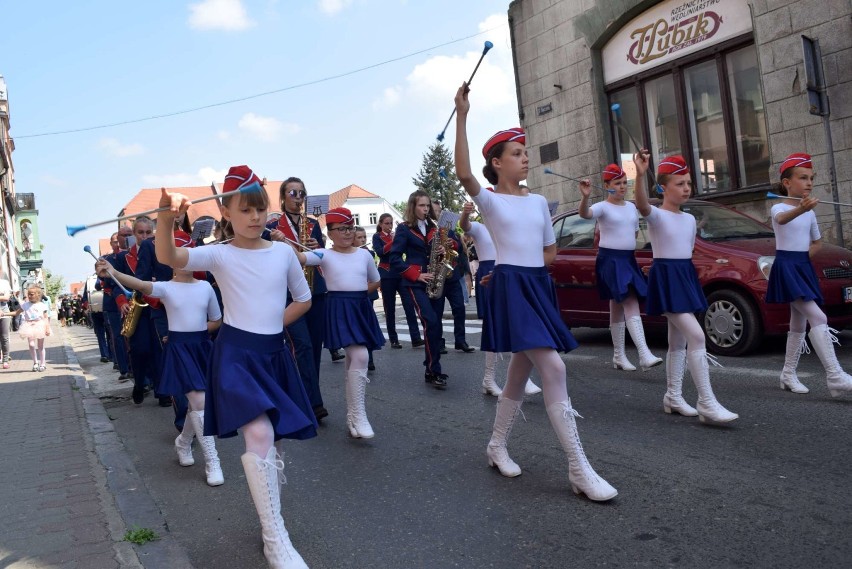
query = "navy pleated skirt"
x=521 y=312
x=485 y=267
x=186 y=357
x=792 y=277
x=616 y=271
x=251 y=374
x=673 y=287
x=350 y=319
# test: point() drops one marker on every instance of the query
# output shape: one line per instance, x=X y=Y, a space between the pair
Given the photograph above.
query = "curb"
x=133 y=504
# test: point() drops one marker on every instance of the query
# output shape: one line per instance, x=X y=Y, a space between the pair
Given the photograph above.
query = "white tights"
x=550 y=367
x=196 y=400
x=40 y=356
x=803 y=312
x=684 y=332
x=620 y=312
x=357 y=357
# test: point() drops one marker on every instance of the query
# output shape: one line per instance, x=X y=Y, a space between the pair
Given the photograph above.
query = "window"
x=357 y=217
x=374 y=218
x=708 y=108
x=576 y=232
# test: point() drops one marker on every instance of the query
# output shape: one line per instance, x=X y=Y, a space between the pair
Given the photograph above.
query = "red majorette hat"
x=796 y=160
x=339 y=215
x=672 y=165
x=183 y=239
x=613 y=172
x=516 y=134
x=239 y=177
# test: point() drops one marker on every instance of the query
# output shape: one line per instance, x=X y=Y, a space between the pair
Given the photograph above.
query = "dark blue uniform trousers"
x=119 y=348
x=430 y=317
x=389 y=289
x=300 y=340
x=453 y=292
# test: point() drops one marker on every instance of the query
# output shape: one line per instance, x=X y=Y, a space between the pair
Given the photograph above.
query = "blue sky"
x=77 y=65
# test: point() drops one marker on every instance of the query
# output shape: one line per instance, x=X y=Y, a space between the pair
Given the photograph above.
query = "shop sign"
x=670 y=30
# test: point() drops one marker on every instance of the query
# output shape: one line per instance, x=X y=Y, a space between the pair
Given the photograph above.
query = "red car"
x=733 y=255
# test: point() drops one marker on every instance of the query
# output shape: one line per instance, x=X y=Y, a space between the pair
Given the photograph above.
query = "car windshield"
x=715 y=223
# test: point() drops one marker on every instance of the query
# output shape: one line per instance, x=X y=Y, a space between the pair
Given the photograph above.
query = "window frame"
x=717 y=53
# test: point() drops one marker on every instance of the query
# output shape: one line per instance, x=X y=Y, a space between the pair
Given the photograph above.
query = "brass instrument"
x=137 y=303
x=440 y=264
x=305 y=231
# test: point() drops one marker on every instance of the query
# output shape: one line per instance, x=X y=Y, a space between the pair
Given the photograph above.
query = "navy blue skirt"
x=792 y=277
x=485 y=267
x=616 y=271
x=251 y=374
x=521 y=312
x=351 y=320
x=673 y=287
x=186 y=357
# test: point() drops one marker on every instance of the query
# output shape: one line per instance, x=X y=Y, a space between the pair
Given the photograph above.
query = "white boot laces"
x=568 y=411
x=711 y=359
x=277 y=463
x=804 y=348
x=832 y=335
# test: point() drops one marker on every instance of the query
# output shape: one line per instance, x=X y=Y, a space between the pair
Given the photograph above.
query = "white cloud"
x=223 y=135
x=267 y=129
x=332 y=7
x=228 y=15
x=204 y=177
x=390 y=98
x=114 y=148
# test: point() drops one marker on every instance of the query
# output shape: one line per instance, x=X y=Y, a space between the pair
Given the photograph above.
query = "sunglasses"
x=297 y=193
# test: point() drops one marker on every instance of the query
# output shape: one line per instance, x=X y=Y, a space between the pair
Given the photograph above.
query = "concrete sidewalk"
x=69 y=491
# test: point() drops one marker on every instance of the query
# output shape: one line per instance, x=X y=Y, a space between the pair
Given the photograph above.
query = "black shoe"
x=320 y=412
x=164 y=401
x=443 y=349
x=138 y=395
x=396 y=345
x=123 y=377
x=437 y=380
x=115 y=367
x=371 y=366
x=463 y=347
x=336 y=356
x=104 y=360
x=418 y=343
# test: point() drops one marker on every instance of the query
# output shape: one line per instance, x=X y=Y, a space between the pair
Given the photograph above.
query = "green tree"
x=400 y=206
x=53 y=284
x=437 y=177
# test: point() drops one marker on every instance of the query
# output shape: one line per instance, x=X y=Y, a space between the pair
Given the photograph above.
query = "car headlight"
x=764 y=264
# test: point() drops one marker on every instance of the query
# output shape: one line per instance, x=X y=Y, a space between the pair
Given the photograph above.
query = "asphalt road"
x=772 y=490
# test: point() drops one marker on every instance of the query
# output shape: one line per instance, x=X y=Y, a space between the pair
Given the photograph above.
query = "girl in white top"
x=793 y=280
x=193 y=313
x=674 y=290
x=521 y=311
x=350 y=275
x=253 y=383
x=617 y=274
x=35 y=325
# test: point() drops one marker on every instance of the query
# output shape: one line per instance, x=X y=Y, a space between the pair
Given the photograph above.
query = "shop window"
x=662 y=118
x=707 y=128
x=748 y=113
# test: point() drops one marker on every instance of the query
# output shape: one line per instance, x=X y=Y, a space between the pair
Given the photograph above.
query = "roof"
x=149 y=198
x=338 y=198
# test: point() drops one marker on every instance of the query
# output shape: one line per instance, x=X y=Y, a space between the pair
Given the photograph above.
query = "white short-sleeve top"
x=189 y=306
x=618 y=224
x=797 y=234
x=672 y=234
x=520 y=226
x=253 y=283
x=485 y=250
x=345 y=272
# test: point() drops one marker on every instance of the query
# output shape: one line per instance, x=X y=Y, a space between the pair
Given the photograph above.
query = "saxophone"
x=304 y=232
x=440 y=264
x=137 y=303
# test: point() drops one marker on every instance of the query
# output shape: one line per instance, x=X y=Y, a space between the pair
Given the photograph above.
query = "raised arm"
x=105 y=270
x=462 y=152
x=464 y=220
x=167 y=252
x=585 y=192
x=641 y=161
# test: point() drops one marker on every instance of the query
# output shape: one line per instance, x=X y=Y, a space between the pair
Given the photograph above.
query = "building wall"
x=557 y=46
x=363 y=207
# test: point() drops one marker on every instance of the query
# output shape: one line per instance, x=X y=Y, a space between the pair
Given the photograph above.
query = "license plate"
x=847 y=294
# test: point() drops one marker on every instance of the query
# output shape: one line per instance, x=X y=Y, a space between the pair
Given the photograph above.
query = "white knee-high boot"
x=498 y=454
x=822 y=340
x=183 y=443
x=619 y=357
x=673 y=399
x=796 y=345
x=581 y=475
x=356 y=412
x=708 y=407
x=647 y=360
x=212 y=467
x=262 y=476
x=531 y=388
x=489 y=386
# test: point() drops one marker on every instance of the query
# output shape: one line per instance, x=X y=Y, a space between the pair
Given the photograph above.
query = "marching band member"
x=360 y=241
x=382 y=242
x=193 y=314
x=617 y=274
x=674 y=290
x=253 y=384
x=306 y=334
x=522 y=316
x=792 y=278
x=413 y=240
x=351 y=322
x=112 y=315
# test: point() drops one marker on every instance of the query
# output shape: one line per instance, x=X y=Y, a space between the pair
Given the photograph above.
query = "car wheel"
x=731 y=324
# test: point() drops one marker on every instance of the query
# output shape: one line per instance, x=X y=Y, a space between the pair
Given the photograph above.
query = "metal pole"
x=833 y=179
